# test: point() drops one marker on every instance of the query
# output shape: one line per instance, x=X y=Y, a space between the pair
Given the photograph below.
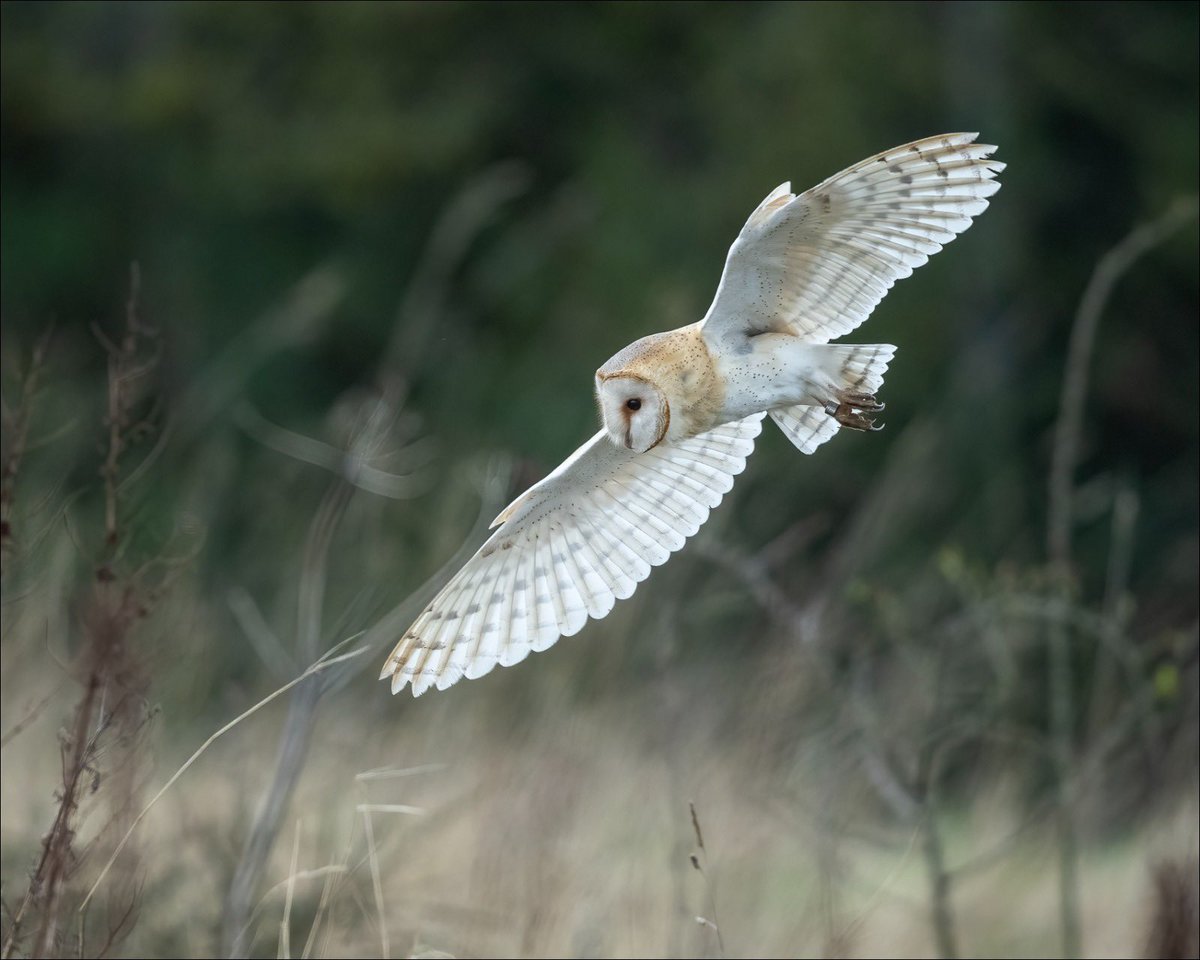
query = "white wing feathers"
x=570 y=547
x=813 y=265
x=816 y=264
x=807 y=427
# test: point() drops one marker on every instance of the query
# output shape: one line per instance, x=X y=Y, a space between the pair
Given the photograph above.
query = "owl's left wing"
x=816 y=265
x=569 y=548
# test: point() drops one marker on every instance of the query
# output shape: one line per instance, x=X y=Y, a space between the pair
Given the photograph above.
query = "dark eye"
x=634 y=404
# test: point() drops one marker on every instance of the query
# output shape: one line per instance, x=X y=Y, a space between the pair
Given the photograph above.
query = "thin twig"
x=262 y=638
x=392 y=808
x=713 y=923
x=21 y=725
x=298 y=318
x=56 y=852
x=392 y=773
x=16 y=424
x=327 y=889
x=1068 y=429
x=868 y=907
x=1069 y=425
x=376 y=882
x=285 y=924
x=925 y=789
x=297 y=728
x=331 y=869
x=460 y=223
x=327 y=661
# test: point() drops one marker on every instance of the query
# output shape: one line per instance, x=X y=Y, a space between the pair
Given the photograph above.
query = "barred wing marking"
x=817 y=264
x=568 y=549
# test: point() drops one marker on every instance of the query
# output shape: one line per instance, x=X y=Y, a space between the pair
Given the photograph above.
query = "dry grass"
x=101 y=757
x=574 y=839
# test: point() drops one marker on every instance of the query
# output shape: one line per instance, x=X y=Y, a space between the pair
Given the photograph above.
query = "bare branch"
x=1068 y=427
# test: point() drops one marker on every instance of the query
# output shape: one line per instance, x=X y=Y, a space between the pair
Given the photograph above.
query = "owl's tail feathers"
x=857 y=369
x=855 y=373
x=807 y=427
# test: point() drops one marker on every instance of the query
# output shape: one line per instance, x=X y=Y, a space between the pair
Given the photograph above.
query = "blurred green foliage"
x=483 y=202
x=231 y=149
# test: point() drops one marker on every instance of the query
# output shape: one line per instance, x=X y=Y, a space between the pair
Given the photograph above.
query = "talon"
x=851 y=417
x=848 y=417
x=865 y=402
x=851 y=410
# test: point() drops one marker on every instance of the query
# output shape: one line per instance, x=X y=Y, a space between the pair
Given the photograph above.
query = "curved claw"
x=863 y=402
x=852 y=409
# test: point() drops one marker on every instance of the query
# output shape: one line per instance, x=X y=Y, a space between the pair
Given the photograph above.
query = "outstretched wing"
x=570 y=547
x=815 y=265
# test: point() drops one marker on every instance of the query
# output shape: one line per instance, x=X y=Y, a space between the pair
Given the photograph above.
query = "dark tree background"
x=413 y=231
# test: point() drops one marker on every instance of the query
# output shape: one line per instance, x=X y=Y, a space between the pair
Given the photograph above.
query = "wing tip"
x=396 y=677
x=405 y=666
x=394 y=672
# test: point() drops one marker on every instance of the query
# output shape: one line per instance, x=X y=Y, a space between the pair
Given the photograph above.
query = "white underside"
x=779 y=370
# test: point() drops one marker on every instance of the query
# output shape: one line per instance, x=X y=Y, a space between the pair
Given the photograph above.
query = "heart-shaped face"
x=635 y=412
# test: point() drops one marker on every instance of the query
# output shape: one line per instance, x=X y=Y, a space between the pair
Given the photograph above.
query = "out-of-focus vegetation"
x=381 y=249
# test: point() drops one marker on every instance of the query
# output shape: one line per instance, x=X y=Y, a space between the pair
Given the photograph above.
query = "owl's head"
x=635 y=412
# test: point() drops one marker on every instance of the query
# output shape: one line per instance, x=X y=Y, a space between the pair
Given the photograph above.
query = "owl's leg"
x=851 y=409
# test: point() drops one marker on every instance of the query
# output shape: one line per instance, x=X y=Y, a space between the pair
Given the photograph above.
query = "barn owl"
x=681 y=410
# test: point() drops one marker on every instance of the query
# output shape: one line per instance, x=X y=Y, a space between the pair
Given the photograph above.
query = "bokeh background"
x=295 y=297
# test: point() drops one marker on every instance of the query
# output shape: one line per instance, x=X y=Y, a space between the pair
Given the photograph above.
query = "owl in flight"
x=681 y=409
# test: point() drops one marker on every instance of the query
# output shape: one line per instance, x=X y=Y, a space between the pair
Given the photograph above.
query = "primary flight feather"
x=681 y=409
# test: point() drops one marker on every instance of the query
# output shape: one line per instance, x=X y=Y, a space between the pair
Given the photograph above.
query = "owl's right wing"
x=817 y=264
x=568 y=549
